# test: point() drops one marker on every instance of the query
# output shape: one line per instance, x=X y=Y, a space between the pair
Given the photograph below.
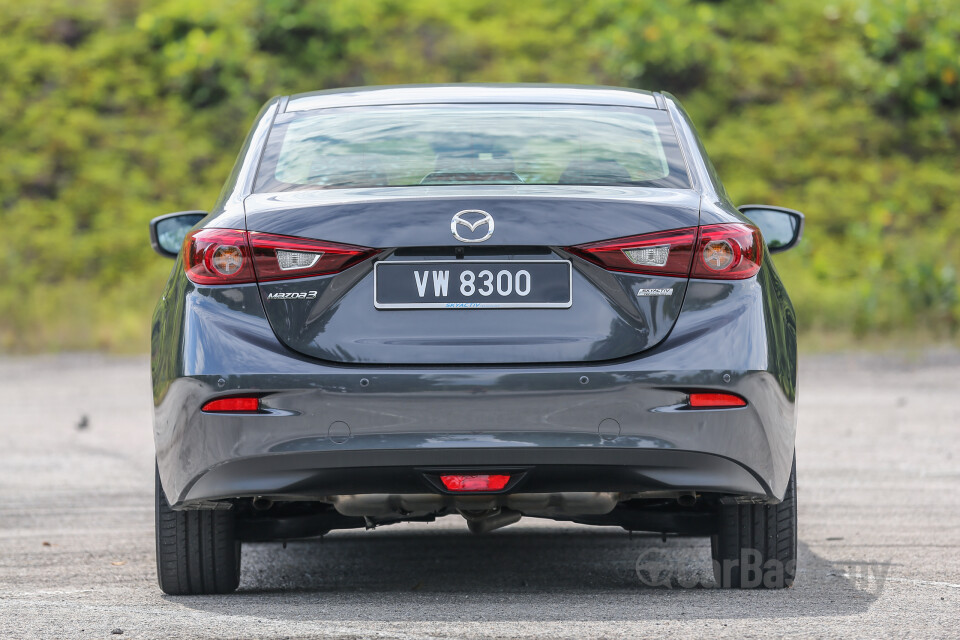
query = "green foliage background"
x=114 y=111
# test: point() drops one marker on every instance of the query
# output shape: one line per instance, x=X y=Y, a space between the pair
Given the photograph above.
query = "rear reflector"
x=716 y=400
x=474 y=482
x=233 y=405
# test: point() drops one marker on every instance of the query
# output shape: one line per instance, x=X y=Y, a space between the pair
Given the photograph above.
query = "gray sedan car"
x=491 y=301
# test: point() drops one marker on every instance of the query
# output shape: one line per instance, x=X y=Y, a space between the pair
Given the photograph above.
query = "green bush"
x=112 y=112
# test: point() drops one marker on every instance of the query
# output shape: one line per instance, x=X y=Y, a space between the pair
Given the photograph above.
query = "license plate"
x=472 y=284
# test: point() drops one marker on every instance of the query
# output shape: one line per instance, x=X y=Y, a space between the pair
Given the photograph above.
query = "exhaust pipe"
x=687 y=499
x=259 y=503
x=487 y=521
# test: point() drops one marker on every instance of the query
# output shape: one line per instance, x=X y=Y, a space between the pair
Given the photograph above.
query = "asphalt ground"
x=878 y=481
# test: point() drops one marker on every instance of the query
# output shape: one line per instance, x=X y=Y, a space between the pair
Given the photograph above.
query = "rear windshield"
x=444 y=144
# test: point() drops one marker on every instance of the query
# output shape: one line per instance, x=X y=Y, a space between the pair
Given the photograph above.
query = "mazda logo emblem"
x=469 y=218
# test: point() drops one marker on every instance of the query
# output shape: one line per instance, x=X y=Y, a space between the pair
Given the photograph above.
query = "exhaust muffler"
x=486 y=521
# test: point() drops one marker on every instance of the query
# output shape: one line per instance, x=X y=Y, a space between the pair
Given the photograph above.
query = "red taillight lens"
x=718 y=251
x=218 y=256
x=716 y=400
x=233 y=405
x=229 y=256
x=474 y=482
x=727 y=252
x=286 y=257
x=662 y=253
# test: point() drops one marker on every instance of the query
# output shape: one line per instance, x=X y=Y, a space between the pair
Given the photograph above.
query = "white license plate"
x=472 y=284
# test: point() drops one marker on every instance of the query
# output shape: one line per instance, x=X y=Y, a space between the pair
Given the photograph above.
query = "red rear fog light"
x=716 y=400
x=233 y=405
x=474 y=482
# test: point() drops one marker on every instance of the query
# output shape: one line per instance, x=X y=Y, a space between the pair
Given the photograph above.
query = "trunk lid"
x=337 y=318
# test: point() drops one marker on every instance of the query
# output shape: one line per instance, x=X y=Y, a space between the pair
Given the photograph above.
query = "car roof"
x=476 y=93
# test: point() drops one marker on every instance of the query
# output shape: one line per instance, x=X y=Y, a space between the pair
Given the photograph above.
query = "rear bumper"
x=364 y=431
x=535 y=470
x=611 y=426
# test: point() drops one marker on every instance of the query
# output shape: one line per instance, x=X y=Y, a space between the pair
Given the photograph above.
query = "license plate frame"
x=475 y=301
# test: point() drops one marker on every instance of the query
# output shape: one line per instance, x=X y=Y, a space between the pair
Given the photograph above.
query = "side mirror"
x=167 y=232
x=781 y=228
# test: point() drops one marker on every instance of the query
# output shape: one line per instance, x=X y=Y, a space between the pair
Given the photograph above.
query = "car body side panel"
x=701 y=170
x=228 y=212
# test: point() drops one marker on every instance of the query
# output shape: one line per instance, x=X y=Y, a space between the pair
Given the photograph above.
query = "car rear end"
x=492 y=308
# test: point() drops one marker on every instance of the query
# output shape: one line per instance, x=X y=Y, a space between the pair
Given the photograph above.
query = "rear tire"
x=756 y=547
x=197 y=551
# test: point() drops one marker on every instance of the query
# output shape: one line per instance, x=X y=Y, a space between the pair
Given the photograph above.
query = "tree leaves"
x=114 y=111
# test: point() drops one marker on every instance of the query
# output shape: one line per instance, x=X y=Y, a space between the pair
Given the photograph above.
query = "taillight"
x=286 y=257
x=218 y=256
x=663 y=253
x=727 y=252
x=229 y=256
x=718 y=251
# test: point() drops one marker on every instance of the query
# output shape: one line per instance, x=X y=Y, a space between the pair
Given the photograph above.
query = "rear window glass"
x=444 y=144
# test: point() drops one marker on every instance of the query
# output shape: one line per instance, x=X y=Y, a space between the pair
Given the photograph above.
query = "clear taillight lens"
x=230 y=256
x=718 y=252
